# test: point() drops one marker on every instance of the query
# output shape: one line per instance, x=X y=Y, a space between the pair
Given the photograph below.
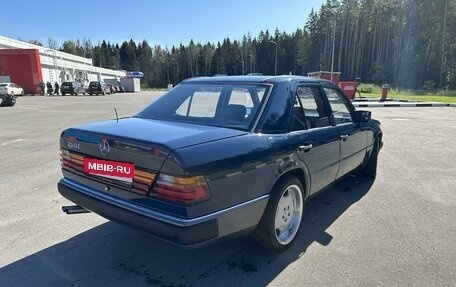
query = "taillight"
x=142 y=181
x=185 y=190
x=71 y=160
x=65 y=158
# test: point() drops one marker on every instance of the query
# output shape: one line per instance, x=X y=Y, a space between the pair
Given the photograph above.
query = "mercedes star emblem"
x=104 y=147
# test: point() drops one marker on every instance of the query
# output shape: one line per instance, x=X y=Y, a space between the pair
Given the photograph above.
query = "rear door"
x=352 y=136
x=316 y=140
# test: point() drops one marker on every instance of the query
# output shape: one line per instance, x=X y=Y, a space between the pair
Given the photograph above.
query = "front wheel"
x=13 y=101
x=282 y=218
x=370 y=169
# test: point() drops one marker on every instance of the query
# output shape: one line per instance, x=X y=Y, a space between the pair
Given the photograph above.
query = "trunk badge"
x=104 y=147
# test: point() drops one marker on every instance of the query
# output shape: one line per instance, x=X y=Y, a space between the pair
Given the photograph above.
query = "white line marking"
x=11 y=142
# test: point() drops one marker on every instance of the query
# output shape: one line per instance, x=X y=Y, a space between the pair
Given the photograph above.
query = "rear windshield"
x=94 y=84
x=3 y=85
x=65 y=84
x=225 y=105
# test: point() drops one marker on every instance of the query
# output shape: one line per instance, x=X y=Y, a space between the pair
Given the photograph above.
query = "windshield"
x=226 y=105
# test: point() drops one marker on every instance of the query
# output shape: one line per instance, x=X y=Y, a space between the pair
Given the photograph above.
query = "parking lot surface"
x=398 y=230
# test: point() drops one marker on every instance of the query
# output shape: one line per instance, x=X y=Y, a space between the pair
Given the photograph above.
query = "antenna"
x=117 y=116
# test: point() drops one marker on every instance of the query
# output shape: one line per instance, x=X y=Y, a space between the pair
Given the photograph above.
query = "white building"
x=58 y=66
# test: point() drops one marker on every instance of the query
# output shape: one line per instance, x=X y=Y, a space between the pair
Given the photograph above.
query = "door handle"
x=306 y=147
x=344 y=137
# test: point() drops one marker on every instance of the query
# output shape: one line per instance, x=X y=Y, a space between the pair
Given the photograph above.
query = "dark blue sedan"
x=219 y=156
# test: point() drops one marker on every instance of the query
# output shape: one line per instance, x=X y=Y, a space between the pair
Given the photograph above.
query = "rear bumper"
x=185 y=232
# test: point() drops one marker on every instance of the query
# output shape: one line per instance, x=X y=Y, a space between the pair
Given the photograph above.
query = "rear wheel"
x=282 y=218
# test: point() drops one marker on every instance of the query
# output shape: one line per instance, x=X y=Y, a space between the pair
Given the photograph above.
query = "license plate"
x=117 y=170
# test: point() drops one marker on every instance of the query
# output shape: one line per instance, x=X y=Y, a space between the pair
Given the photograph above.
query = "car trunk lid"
x=134 y=143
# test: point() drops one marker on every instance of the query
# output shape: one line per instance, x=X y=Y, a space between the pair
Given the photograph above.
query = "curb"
x=403 y=104
x=371 y=100
x=387 y=100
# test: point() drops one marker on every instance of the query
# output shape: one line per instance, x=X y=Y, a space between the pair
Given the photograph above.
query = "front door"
x=352 y=136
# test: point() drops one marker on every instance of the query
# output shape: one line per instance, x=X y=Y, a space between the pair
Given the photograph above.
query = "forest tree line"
x=409 y=44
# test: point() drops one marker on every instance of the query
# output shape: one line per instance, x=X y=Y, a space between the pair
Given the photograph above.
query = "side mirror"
x=361 y=116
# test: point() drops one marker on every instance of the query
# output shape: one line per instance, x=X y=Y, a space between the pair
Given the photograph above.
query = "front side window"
x=340 y=111
x=219 y=104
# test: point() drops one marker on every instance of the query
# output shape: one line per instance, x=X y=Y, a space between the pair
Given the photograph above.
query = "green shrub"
x=369 y=89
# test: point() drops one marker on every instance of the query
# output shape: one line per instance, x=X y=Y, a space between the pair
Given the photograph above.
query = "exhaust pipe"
x=74 y=209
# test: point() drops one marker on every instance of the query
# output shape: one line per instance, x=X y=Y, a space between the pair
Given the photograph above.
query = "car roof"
x=251 y=79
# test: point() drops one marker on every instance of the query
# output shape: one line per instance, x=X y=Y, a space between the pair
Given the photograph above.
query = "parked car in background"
x=98 y=88
x=218 y=156
x=9 y=93
x=72 y=88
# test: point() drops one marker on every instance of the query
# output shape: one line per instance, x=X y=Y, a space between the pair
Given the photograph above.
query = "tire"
x=370 y=169
x=63 y=94
x=12 y=101
x=8 y=102
x=281 y=220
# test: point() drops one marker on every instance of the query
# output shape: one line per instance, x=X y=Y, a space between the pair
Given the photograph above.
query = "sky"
x=160 y=22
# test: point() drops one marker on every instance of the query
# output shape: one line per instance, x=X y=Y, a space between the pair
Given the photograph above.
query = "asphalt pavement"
x=398 y=230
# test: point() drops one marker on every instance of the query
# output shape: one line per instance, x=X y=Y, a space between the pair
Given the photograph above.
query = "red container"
x=349 y=89
x=326 y=75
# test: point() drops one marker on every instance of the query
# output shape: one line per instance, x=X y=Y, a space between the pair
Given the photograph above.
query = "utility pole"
x=443 y=44
x=275 y=66
x=333 y=43
x=251 y=63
